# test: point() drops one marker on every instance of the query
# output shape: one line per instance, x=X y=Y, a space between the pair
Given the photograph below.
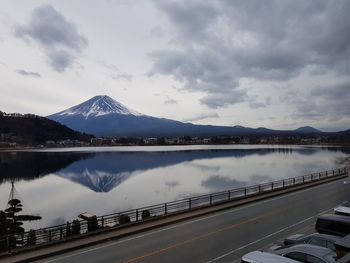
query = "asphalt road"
x=223 y=236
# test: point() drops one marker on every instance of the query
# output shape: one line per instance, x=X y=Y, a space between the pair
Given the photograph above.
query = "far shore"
x=28 y=148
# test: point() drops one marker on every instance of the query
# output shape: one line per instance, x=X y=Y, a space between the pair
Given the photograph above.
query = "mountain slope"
x=32 y=129
x=103 y=116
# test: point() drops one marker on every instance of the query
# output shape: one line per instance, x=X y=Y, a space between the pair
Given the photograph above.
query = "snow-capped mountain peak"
x=98 y=106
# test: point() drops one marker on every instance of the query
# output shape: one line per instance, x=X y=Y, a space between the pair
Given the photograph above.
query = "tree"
x=14 y=221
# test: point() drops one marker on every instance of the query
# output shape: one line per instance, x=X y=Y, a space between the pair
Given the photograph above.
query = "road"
x=223 y=236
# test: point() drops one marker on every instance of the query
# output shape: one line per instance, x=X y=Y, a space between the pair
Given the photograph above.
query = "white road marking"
x=265 y=237
x=187 y=223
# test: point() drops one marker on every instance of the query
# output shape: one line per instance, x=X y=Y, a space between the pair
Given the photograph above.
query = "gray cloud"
x=122 y=76
x=170 y=101
x=203 y=116
x=217 y=43
x=28 y=73
x=58 y=37
x=321 y=103
x=158 y=32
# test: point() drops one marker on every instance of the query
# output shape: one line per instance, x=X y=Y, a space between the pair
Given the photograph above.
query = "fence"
x=76 y=228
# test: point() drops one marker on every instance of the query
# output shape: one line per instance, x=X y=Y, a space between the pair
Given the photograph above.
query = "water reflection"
x=29 y=166
x=60 y=185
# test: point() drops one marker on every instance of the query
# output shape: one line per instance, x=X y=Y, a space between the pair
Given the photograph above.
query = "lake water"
x=59 y=184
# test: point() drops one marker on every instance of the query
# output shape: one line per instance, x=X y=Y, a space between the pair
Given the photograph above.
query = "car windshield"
x=346 y=204
x=330 y=257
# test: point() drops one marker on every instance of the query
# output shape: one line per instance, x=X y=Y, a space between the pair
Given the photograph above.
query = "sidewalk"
x=111 y=234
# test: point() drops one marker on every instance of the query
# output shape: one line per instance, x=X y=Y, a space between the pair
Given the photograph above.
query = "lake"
x=61 y=183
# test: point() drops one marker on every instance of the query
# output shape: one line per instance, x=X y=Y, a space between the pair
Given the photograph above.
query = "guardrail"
x=79 y=228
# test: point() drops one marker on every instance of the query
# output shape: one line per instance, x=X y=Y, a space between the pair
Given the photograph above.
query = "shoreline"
x=24 y=148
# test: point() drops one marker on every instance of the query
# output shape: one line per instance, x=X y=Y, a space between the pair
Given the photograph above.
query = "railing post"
x=211 y=199
x=50 y=235
x=259 y=188
x=189 y=203
x=245 y=191
x=9 y=243
x=61 y=232
x=103 y=223
x=165 y=209
x=229 y=195
x=137 y=215
x=303 y=179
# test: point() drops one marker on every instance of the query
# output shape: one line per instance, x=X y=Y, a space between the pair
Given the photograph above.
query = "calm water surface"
x=61 y=183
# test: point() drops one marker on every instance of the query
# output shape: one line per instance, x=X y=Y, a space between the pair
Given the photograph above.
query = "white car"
x=343 y=209
x=265 y=257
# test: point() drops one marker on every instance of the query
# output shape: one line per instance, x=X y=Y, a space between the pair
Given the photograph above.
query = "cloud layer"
x=216 y=44
x=58 y=37
x=28 y=73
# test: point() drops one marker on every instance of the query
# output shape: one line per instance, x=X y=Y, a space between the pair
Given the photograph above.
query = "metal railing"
x=79 y=228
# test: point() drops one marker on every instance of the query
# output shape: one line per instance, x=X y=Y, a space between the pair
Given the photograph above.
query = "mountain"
x=104 y=116
x=30 y=129
x=307 y=129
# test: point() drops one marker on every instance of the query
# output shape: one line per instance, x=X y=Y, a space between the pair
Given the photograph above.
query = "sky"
x=276 y=64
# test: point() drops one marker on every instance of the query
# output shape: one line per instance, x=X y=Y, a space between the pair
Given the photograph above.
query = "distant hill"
x=31 y=129
x=104 y=116
x=307 y=129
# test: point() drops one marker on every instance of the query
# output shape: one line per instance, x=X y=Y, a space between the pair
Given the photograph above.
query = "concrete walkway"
x=111 y=234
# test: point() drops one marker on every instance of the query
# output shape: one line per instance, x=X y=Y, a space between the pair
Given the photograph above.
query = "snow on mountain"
x=98 y=181
x=98 y=106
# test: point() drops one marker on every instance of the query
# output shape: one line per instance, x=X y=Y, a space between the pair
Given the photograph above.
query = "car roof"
x=335 y=217
x=307 y=249
x=265 y=257
x=343 y=242
x=326 y=236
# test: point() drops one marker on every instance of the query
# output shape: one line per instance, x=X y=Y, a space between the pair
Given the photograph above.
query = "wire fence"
x=95 y=224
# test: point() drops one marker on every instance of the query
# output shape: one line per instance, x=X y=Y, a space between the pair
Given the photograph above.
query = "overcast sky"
x=277 y=64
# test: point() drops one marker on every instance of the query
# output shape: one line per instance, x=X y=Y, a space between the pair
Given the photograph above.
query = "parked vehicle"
x=338 y=225
x=308 y=253
x=317 y=239
x=343 y=209
x=264 y=257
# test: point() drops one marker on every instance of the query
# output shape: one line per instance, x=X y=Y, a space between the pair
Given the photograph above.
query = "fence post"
x=245 y=191
x=210 y=199
x=189 y=203
x=103 y=223
x=229 y=195
x=303 y=179
x=9 y=243
x=165 y=209
x=137 y=215
x=61 y=232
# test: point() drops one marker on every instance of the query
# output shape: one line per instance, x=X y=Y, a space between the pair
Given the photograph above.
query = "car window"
x=330 y=245
x=330 y=257
x=312 y=259
x=296 y=255
x=318 y=242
